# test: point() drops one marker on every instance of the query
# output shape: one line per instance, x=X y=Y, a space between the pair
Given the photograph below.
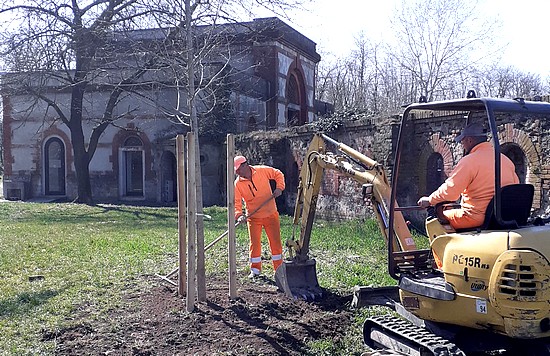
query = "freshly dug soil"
x=261 y=321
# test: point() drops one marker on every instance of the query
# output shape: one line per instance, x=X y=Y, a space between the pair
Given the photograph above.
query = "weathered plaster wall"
x=27 y=135
x=290 y=59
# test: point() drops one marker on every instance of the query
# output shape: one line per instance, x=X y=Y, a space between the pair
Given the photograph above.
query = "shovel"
x=174 y=271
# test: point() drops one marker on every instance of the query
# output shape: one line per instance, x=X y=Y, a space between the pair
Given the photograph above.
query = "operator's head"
x=472 y=130
x=472 y=135
x=239 y=161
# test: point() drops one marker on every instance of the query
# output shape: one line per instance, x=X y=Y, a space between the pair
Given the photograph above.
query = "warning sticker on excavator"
x=481 y=306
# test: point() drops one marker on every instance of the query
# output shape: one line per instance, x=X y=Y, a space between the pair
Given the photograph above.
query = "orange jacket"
x=257 y=190
x=473 y=178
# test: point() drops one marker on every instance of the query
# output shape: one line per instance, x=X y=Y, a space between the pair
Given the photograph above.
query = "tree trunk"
x=81 y=156
x=82 y=169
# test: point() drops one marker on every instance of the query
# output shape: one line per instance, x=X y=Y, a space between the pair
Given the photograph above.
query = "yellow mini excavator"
x=480 y=291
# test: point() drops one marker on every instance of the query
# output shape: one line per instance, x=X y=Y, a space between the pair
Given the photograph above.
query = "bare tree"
x=497 y=81
x=323 y=79
x=437 y=40
x=507 y=82
x=527 y=85
x=361 y=71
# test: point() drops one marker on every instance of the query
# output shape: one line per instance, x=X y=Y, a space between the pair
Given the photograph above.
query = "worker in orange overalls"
x=252 y=185
x=473 y=179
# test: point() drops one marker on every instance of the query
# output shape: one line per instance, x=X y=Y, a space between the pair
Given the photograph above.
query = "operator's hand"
x=241 y=219
x=277 y=192
x=424 y=202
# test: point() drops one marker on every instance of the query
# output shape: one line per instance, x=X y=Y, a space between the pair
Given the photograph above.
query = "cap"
x=237 y=161
x=471 y=130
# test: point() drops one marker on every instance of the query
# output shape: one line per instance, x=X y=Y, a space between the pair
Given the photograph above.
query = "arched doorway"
x=132 y=167
x=168 y=177
x=54 y=167
x=296 y=100
x=435 y=173
x=515 y=153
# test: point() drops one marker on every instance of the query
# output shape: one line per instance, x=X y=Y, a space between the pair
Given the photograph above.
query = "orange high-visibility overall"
x=255 y=192
x=473 y=178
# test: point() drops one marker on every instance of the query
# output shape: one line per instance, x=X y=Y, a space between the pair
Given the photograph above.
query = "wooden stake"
x=199 y=227
x=191 y=222
x=231 y=244
x=182 y=242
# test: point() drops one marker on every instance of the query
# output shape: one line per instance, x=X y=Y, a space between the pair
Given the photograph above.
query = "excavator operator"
x=472 y=180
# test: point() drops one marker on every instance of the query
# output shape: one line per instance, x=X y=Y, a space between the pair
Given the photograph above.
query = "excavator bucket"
x=298 y=280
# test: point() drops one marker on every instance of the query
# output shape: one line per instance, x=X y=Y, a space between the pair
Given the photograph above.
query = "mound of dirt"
x=261 y=321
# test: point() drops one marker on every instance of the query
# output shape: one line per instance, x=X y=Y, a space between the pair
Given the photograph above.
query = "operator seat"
x=516 y=201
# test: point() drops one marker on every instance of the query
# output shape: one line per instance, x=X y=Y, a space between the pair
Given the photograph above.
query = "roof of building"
x=259 y=30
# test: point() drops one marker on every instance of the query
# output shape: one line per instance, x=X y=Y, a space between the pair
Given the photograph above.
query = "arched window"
x=251 y=124
x=54 y=167
x=132 y=172
x=435 y=174
x=293 y=94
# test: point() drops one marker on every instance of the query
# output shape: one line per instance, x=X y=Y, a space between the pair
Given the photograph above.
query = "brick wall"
x=340 y=197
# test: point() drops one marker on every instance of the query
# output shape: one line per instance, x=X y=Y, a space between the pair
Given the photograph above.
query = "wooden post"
x=191 y=222
x=182 y=242
x=231 y=238
x=199 y=228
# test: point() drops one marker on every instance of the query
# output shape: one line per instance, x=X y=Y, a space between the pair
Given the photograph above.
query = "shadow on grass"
x=25 y=302
x=138 y=211
x=116 y=213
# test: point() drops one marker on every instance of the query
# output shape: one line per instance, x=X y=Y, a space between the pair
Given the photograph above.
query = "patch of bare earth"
x=261 y=321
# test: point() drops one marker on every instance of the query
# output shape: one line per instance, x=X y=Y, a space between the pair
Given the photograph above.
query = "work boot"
x=253 y=275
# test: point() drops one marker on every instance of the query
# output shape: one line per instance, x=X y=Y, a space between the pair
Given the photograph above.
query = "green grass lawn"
x=85 y=258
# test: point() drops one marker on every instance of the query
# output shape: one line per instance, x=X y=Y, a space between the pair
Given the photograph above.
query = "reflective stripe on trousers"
x=272 y=228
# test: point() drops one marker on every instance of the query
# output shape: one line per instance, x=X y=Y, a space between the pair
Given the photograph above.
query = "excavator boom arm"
x=349 y=163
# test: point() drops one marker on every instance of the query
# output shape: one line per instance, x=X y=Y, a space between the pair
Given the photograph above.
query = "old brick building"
x=268 y=85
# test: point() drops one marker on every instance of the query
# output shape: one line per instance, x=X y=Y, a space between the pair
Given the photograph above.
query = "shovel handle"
x=220 y=237
x=237 y=224
x=259 y=207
